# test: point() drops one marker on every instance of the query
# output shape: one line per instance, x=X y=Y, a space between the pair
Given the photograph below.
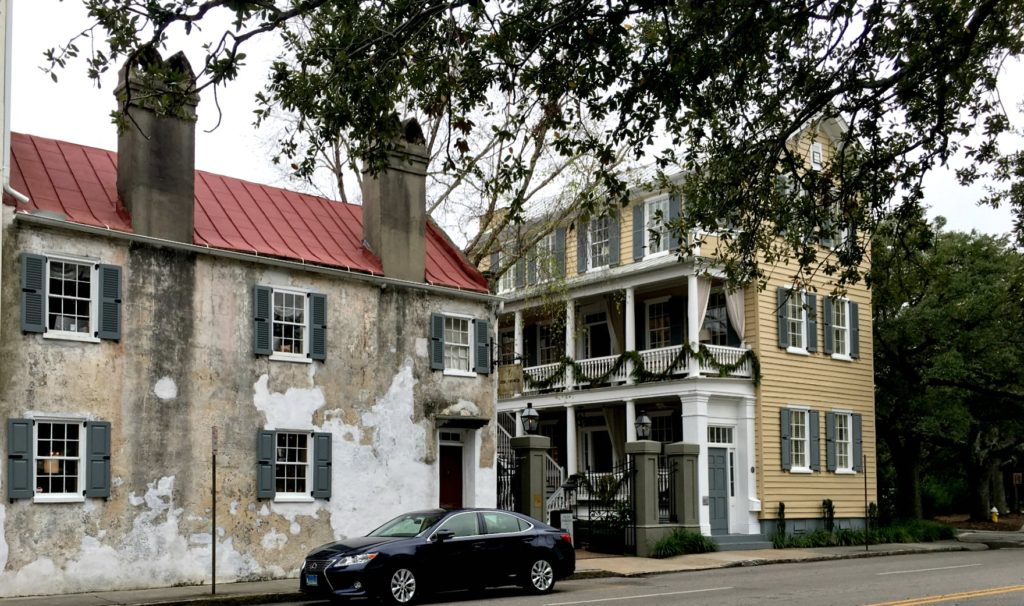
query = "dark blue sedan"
x=439 y=550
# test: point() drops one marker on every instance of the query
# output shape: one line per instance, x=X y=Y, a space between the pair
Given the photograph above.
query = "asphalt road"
x=975 y=578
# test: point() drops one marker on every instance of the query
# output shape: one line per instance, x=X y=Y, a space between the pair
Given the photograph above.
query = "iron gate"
x=508 y=468
x=605 y=509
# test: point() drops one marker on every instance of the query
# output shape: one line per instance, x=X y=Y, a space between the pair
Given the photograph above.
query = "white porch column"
x=747 y=464
x=630 y=420
x=519 y=423
x=519 y=338
x=571 y=466
x=692 y=330
x=630 y=344
x=695 y=431
x=570 y=340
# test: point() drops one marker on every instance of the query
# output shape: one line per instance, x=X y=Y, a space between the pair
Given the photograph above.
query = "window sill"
x=287 y=357
x=842 y=357
x=800 y=470
x=452 y=372
x=58 y=498
x=294 y=498
x=845 y=472
x=63 y=335
x=800 y=351
x=596 y=269
x=657 y=255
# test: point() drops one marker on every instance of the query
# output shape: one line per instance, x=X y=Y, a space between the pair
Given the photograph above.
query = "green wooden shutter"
x=317 y=326
x=19 y=458
x=261 y=310
x=827 y=321
x=614 y=237
x=495 y=262
x=321 y=466
x=784 y=437
x=33 y=293
x=858 y=444
x=639 y=233
x=560 y=252
x=109 y=325
x=97 y=463
x=811 y=306
x=520 y=273
x=266 y=445
x=531 y=270
x=482 y=346
x=830 y=441
x=674 y=210
x=781 y=294
x=581 y=246
x=854 y=321
x=436 y=342
x=814 y=439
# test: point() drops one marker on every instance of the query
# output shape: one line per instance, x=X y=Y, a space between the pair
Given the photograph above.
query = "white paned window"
x=289 y=328
x=547 y=263
x=71 y=299
x=507 y=281
x=817 y=157
x=841 y=327
x=655 y=219
x=844 y=443
x=291 y=469
x=659 y=324
x=549 y=346
x=58 y=457
x=796 y=319
x=719 y=435
x=457 y=344
x=663 y=428
x=798 y=440
x=599 y=240
x=716 y=320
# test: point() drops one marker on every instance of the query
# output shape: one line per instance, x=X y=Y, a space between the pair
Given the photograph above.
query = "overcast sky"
x=75 y=110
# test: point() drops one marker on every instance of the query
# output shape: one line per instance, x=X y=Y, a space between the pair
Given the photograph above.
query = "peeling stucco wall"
x=184 y=365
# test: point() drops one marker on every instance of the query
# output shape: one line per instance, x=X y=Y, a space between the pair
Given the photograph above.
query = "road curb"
x=228 y=600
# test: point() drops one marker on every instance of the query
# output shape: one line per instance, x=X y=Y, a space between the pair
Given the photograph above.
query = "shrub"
x=828 y=514
x=683 y=541
x=914 y=531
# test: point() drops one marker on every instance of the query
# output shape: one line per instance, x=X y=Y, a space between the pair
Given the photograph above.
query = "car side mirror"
x=443 y=535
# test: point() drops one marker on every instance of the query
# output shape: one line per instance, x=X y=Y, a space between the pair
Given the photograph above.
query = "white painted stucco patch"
x=166 y=389
x=274 y=540
x=292 y=409
x=463 y=408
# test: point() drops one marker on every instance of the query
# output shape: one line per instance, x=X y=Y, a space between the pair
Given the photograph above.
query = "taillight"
x=567 y=538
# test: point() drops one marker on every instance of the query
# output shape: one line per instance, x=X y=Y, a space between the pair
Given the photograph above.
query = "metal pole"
x=213 y=533
x=867 y=517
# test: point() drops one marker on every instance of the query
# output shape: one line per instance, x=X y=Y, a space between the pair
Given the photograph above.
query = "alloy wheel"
x=542 y=577
x=403 y=586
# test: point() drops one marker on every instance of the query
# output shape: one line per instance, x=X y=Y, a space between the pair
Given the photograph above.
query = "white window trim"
x=816 y=148
x=800 y=351
x=590 y=244
x=507 y=281
x=296 y=497
x=662 y=226
x=647 y=321
x=793 y=468
x=63 y=497
x=544 y=257
x=845 y=355
x=458 y=372
x=299 y=357
x=549 y=325
x=94 y=299
x=849 y=428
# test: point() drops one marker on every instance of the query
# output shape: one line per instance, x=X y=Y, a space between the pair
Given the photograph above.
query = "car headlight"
x=353 y=560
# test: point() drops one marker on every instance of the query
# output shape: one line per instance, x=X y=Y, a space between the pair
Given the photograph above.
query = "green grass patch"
x=683 y=541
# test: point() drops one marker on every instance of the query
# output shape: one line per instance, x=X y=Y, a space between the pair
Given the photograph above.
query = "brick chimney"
x=395 y=207
x=156 y=152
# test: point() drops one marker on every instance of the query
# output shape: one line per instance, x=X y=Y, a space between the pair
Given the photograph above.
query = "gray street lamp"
x=531 y=419
x=643 y=427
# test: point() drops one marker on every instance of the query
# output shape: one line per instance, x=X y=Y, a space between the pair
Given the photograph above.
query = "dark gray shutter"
x=814 y=438
x=33 y=293
x=531 y=270
x=639 y=232
x=19 y=458
x=826 y=318
x=321 y=466
x=495 y=261
x=854 y=320
x=520 y=275
x=677 y=320
x=781 y=294
x=674 y=210
x=97 y=463
x=811 y=307
x=858 y=444
x=261 y=310
x=830 y=441
x=110 y=303
x=581 y=246
x=317 y=326
x=265 y=460
x=436 y=342
x=559 y=252
x=482 y=346
x=784 y=437
x=614 y=238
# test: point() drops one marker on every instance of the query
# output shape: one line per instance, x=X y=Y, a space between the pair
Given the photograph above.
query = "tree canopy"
x=719 y=90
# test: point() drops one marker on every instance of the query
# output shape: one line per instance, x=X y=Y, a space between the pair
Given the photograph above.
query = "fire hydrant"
x=995 y=514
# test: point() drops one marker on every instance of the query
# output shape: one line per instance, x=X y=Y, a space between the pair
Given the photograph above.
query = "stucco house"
x=336 y=356
x=604 y=321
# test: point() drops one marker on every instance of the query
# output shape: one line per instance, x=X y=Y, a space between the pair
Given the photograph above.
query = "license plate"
x=311 y=580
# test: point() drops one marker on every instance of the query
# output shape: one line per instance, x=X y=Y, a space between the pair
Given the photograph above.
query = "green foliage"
x=683 y=541
x=828 y=515
x=731 y=84
x=916 y=531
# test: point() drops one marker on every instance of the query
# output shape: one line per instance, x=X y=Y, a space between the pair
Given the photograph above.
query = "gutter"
x=381 y=281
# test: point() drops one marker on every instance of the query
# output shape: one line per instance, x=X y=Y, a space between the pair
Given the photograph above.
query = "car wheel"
x=540 y=576
x=400 y=587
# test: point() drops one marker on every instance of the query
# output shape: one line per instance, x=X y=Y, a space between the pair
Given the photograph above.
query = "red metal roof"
x=81 y=183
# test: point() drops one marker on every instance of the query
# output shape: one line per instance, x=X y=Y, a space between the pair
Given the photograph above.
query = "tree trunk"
x=997 y=489
x=907 y=464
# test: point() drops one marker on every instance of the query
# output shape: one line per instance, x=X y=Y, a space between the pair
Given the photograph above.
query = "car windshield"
x=408 y=525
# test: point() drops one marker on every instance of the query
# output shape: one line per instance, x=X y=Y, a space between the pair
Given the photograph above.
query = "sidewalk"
x=587 y=566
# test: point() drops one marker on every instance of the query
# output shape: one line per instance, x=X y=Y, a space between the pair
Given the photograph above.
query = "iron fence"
x=605 y=506
x=508 y=468
x=667 y=491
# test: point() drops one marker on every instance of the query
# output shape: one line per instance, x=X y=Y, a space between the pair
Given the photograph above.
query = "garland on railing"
x=701 y=356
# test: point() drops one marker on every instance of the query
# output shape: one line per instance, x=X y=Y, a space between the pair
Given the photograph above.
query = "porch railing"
x=727 y=355
x=657 y=360
x=542 y=373
x=595 y=367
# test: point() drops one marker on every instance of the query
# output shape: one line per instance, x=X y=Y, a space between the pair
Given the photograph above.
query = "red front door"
x=451 y=476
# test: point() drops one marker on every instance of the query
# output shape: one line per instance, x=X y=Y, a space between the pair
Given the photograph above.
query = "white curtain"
x=703 y=294
x=616 y=431
x=734 y=307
